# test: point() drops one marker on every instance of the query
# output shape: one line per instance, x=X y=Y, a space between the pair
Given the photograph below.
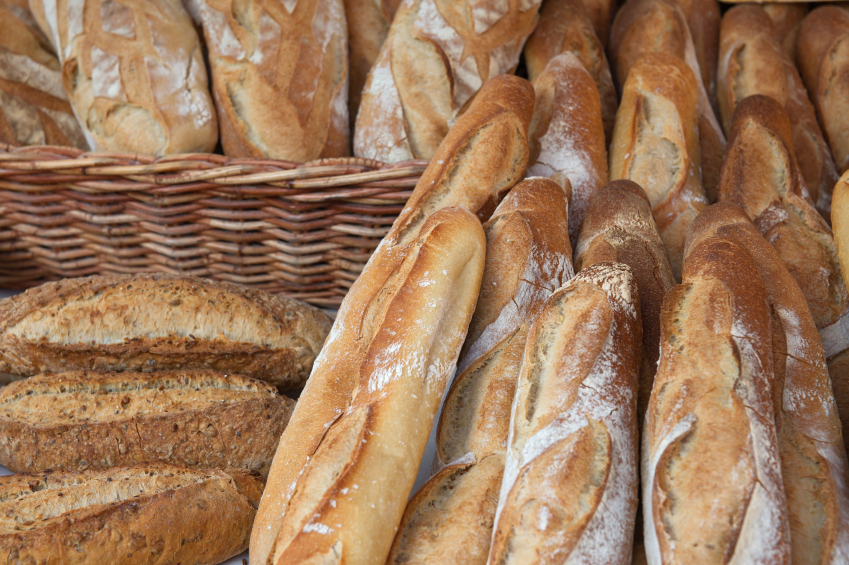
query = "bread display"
x=567 y=136
x=187 y=418
x=449 y=520
x=711 y=467
x=752 y=61
x=571 y=477
x=656 y=145
x=822 y=54
x=34 y=109
x=279 y=77
x=436 y=57
x=786 y=22
x=150 y=515
x=156 y=321
x=619 y=228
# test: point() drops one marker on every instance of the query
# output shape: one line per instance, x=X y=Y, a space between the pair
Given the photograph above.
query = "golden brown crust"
x=703 y=18
x=786 y=22
x=840 y=224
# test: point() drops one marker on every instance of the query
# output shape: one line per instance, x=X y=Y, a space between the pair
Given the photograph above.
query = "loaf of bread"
x=528 y=256
x=752 y=61
x=840 y=224
x=566 y=134
x=822 y=54
x=570 y=486
x=279 y=77
x=152 y=322
x=711 y=467
x=601 y=14
x=660 y=26
x=703 y=19
x=619 y=228
x=564 y=25
x=656 y=145
x=760 y=175
x=103 y=420
x=144 y=515
x=786 y=23
x=34 y=109
x=436 y=57
x=813 y=457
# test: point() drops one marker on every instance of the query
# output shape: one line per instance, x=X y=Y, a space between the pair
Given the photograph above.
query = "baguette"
x=813 y=456
x=823 y=58
x=151 y=515
x=760 y=175
x=564 y=25
x=655 y=144
x=703 y=19
x=711 y=476
x=528 y=256
x=570 y=482
x=838 y=372
x=567 y=136
x=619 y=227
x=786 y=23
x=840 y=224
x=752 y=61
x=150 y=322
x=103 y=420
x=601 y=14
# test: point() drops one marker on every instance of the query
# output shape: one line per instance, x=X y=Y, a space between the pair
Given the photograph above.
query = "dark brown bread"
x=152 y=322
x=81 y=420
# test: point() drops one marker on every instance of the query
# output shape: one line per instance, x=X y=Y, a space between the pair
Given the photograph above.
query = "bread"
x=752 y=61
x=823 y=58
x=838 y=372
x=566 y=134
x=436 y=57
x=703 y=21
x=134 y=74
x=151 y=515
x=152 y=322
x=102 y=420
x=660 y=26
x=711 y=474
x=565 y=25
x=786 y=22
x=601 y=14
x=760 y=175
x=449 y=520
x=570 y=483
x=34 y=109
x=840 y=224
x=655 y=144
x=279 y=77
x=619 y=227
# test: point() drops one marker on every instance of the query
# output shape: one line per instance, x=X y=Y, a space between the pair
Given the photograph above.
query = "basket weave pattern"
x=303 y=230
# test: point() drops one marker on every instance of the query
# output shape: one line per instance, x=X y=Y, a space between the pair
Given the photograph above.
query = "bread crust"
x=158 y=321
x=786 y=23
x=840 y=224
x=703 y=18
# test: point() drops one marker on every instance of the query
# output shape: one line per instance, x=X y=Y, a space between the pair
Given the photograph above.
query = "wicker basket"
x=303 y=230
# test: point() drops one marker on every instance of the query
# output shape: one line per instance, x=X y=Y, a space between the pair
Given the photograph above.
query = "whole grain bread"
x=151 y=322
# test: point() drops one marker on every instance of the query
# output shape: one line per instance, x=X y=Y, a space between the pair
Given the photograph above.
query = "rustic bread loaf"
x=528 y=256
x=570 y=486
x=150 y=515
x=813 y=457
x=711 y=467
x=279 y=77
x=82 y=420
x=619 y=228
x=34 y=109
x=151 y=322
x=656 y=145
x=436 y=57
x=567 y=136
x=564 y=25
x=786 y=23
x=752 y=61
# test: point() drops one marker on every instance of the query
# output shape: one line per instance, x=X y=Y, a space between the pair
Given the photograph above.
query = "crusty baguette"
x=703 y=18
x=711 y=474
x=151 y=322
x=601 y=14
x=103 y=420
x=656 y=145
x=823 y=58
x=279 y=77
x=564 y=25
x=786 y=23
x=760 y=175
x=436 y=57
x=528 y=257
x=840 y=224
x=567 y=136
x=619 y=227
x=752 y=61
x=570 y=490
x=145 y=515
